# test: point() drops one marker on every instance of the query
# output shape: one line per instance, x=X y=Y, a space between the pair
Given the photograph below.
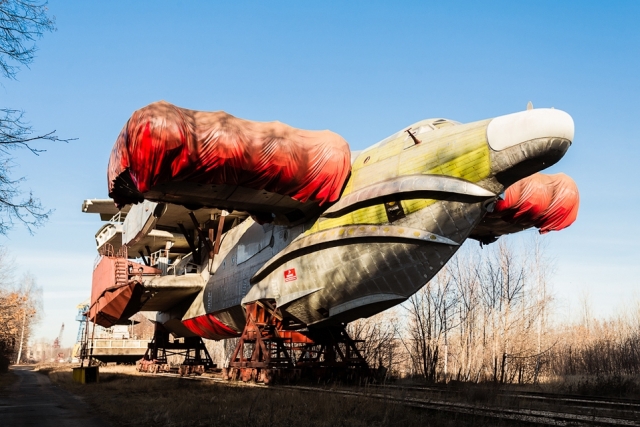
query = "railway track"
x=589 y=402
x=627 y=413
x=520 y=415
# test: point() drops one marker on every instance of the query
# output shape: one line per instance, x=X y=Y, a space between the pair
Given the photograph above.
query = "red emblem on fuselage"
x=290 y=275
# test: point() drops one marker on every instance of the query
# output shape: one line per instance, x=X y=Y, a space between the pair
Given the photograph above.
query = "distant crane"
x=56 y=344
x=58 y=341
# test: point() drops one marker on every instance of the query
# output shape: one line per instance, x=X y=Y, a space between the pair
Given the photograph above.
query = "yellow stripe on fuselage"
x=457 y=151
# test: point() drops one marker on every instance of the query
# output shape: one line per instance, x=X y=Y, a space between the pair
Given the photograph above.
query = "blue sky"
x=362 y=69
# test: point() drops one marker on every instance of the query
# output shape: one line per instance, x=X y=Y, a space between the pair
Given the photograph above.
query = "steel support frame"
x=266 y=351
x=196 y=357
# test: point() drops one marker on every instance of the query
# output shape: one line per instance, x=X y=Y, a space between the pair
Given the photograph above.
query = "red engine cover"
x=548 y=202
x=162 y=143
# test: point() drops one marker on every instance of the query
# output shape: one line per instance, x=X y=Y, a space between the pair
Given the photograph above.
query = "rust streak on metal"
x=219 y=234
x=211 y=239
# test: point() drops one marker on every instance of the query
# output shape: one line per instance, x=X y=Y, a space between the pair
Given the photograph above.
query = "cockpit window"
x=442 y=123
x=432 y=124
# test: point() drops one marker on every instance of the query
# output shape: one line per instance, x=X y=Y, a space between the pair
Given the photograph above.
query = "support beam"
x=190 y=241
x=266 y=351
x=211 y=239
x=196 y=357
x=216 y=248
x=144 y=259
x=200 y=231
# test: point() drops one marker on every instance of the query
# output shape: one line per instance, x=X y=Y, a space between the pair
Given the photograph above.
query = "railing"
x=118 y=343
x=107 y=250
x=108 y=233
x=121 y=262
x=118 y=218
x=183 y=266
x=159 y=256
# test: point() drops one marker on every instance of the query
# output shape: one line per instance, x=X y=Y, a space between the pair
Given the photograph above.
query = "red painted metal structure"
x=267 y=352
x=116 y=286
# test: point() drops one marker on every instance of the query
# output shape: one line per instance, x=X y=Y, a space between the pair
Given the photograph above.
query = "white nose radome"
x=513 y=129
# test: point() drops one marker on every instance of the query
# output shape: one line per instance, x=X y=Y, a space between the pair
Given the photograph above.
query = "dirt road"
x=34 y=401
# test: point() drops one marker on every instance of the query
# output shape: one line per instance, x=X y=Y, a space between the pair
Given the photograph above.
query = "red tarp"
x=208 y=326
x=548 y=202
x=163 y=143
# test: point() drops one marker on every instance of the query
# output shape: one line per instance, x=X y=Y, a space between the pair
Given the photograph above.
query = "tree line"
x=489 y=316
x=20 y=310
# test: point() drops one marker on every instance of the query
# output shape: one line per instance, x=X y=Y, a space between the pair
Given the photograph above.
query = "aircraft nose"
x=513 y=129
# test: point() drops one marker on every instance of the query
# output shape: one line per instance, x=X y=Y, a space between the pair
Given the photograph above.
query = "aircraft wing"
x=105 y=207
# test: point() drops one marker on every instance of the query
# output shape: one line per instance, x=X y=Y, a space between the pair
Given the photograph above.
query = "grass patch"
x=130 y=399
x=600 y=385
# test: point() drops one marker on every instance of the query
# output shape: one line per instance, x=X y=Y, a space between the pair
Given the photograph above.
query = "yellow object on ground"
x=85 y=375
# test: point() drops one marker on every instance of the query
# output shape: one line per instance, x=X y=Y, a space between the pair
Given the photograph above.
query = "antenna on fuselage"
x=529 y=106
x=415 y=140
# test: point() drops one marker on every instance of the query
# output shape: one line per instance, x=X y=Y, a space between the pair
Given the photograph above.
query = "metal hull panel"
x=338 y=284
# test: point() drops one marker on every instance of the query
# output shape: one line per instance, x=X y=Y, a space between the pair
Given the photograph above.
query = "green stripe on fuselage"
x=457 y=151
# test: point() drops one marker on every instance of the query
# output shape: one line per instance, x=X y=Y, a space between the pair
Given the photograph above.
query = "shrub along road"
x=33 y=400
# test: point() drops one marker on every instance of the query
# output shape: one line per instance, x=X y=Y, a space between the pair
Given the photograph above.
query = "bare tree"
x=430 y=318
x=380 y=346
x=463 y=270
x=21 y=23
x=30 y=310
x=483 y=318
x=20 y=308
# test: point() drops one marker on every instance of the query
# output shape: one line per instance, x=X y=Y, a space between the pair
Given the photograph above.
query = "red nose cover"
x=548 y=202
x=163 y=143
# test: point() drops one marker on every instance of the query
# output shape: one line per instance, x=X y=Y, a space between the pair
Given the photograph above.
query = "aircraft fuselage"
x=409 y=204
